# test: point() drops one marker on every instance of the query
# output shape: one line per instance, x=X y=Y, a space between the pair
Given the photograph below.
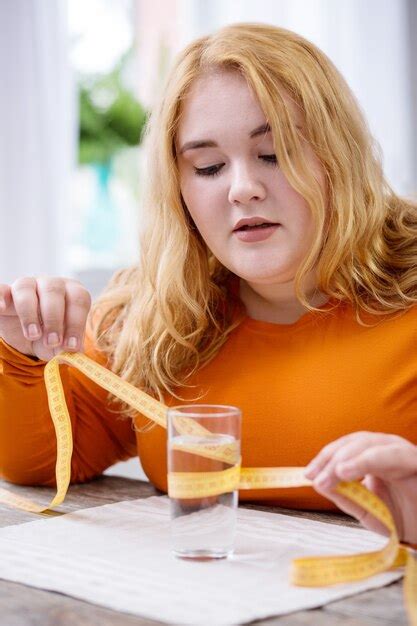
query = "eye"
x=213 y=170
x=269 y=158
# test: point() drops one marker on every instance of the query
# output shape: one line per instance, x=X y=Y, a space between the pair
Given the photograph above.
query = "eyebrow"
x=208 y=143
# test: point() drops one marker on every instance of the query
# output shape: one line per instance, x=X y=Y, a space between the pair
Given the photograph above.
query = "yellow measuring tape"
x=309 y=572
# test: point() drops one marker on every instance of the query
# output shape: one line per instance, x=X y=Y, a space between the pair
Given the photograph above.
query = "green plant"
x=111 y=118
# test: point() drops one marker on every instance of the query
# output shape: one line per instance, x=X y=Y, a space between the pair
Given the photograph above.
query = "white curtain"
x=38 y=138
x=372 y=45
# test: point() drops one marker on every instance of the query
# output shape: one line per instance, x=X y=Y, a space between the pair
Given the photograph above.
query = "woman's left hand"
x=388 y=466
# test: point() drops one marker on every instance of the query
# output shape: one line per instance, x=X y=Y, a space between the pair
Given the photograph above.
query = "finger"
x=317 y=464
x=327 y=477
x=51 y=294
x=390 y=462
x=349 y=507
x=25 y=302
x=78 y=304
x=6 y=299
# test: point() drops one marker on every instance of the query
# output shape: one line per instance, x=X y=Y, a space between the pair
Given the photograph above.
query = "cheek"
x=190 y=198
x=299 y=225
x=203 y=202
x=303 y=224
x=295 y=210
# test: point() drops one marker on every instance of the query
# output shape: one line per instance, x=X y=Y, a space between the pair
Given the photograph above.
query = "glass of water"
x=203 y=476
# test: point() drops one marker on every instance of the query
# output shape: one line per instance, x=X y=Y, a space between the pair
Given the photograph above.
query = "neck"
x=277 y=302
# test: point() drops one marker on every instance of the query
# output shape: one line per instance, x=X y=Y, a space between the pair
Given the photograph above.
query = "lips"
x=256 y=234
x=247 y=223
x=264 y=225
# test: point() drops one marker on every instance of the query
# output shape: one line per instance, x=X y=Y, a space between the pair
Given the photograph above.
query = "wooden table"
x=21 y=605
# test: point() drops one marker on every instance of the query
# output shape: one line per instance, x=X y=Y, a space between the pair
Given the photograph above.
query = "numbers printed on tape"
x=193 y=484
x=272 y=477
x=228 y=453
x=311 y=571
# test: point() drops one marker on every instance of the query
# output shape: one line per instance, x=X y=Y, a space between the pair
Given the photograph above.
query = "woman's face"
x=237 y=177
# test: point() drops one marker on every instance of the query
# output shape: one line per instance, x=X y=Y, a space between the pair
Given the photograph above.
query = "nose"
x=245 y=186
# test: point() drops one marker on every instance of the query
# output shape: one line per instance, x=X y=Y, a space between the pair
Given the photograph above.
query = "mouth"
x=257 y=227
x=254 y=234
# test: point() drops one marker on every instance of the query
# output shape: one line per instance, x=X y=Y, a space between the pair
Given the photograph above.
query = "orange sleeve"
x=27 y=435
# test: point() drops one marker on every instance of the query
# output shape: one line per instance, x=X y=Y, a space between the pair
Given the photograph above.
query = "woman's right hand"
x=52 y=305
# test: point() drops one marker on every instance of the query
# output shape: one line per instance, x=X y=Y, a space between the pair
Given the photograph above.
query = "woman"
x=307 y=324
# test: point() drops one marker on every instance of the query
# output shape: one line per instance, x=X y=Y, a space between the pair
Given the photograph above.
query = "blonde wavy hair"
x=163 y=318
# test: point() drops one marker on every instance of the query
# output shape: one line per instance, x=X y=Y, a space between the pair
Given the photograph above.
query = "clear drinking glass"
x=203 y=441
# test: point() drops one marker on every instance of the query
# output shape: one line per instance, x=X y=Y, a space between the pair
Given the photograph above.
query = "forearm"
x=27 y=435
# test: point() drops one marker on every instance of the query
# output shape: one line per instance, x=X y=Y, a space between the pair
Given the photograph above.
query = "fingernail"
x=33 y=331
x=53 y=339
x=2 y=303
x=72 y=342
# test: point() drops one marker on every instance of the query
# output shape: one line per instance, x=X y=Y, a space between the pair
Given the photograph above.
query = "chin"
x=266 y=275
x=267 y=266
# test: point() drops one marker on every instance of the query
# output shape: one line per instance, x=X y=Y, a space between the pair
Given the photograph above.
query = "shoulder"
x=403 y=317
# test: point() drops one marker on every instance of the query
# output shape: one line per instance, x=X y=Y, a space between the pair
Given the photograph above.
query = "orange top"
x=299 y=386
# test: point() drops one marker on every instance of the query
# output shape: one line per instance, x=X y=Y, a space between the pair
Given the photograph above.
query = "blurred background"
x=79 y=78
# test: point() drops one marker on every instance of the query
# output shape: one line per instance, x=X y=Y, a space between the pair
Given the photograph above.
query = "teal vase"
x=101 y=229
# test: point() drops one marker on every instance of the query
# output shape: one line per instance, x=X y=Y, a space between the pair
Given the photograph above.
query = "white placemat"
x=118 y=556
